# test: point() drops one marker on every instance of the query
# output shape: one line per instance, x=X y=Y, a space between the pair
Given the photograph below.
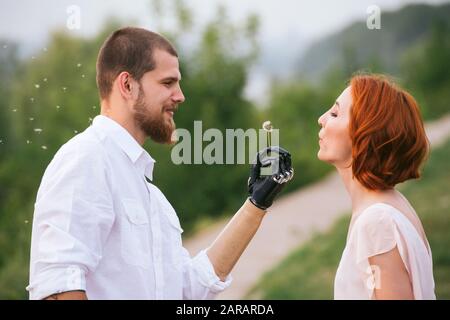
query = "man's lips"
x=171 y=110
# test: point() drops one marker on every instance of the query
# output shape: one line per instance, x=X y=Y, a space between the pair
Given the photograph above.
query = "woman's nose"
x=320 y=120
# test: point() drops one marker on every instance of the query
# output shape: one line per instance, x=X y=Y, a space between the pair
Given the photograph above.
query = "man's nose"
x=178 y=96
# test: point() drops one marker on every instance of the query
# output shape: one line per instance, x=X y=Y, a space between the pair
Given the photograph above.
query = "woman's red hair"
x=389 y=142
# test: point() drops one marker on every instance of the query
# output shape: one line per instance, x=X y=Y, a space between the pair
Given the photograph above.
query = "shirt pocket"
x=135 y=240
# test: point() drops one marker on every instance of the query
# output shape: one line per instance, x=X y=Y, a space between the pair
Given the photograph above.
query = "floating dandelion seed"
x=44 y=147
x=28 y=141
x=1 y=141
x=45 y=49
x=26 y=221
x=45 y=79
x=94 y=107
x=5 y=46
x=31 y=118
x=37 y=86
x=90 y=119
x=75 y=131
x=79 y=65
x=33 y=57
x=57 y=107
x=82 y=75
x=32 y=99
x=14 y=110
x=64 y=89
x=38 y=130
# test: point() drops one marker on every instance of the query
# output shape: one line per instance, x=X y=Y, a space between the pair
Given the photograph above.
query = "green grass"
x=308 y=272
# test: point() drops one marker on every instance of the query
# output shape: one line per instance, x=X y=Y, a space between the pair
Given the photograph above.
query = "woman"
x=374 y=136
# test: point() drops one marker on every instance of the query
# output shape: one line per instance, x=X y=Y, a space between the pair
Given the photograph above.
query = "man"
x=101 y=230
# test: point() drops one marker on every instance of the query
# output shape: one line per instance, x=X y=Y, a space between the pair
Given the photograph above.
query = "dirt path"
x=292 y=220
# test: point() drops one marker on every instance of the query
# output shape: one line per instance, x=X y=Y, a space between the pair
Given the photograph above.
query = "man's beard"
x=154 y=125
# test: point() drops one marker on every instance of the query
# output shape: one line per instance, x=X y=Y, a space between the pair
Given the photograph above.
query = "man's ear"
x=128 y=87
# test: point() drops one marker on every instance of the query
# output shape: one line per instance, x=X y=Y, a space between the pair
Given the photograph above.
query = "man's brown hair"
x=128 y=49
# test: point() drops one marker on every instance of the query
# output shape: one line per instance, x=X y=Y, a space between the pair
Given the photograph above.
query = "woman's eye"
x=333 y=114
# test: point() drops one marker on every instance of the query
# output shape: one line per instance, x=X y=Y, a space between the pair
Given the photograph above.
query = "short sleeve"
x=375 y=233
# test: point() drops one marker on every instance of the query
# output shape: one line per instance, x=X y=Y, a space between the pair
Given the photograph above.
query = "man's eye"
x=333 y=114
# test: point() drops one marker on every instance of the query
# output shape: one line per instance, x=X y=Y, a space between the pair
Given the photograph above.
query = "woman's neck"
x=360 y=196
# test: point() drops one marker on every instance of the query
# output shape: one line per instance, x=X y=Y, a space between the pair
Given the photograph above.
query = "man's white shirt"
x=99 y=226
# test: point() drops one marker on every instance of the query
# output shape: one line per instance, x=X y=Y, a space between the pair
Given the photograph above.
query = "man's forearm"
x=232 y=241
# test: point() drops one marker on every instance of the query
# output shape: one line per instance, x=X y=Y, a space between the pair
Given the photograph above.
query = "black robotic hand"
x=264 y=186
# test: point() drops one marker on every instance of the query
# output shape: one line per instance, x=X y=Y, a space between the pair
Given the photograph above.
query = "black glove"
x=262 y=188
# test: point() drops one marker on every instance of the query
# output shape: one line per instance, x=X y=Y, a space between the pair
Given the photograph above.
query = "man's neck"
x=125 y=121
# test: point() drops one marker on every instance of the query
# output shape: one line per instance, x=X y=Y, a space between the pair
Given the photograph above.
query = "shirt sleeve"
x=376 y=232
x=199 y=278
x=72 y=219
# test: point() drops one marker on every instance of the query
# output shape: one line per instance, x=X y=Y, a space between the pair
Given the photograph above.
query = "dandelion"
x=267 y=126
x=38 y=130
x=44 y=147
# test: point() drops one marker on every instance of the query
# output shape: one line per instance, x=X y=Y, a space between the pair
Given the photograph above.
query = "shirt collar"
x=138 y=155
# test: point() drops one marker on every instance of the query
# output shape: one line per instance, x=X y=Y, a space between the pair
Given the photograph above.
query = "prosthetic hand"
x=268 y=175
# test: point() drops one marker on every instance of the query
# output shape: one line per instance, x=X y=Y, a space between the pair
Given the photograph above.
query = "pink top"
x=378 y=229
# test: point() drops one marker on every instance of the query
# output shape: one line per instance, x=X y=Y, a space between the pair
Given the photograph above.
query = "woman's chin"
x=322 y=157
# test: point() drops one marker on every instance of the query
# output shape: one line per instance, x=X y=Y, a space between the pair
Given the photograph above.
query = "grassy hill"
x=356 y=46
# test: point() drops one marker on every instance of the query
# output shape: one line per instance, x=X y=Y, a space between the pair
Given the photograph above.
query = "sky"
x=287 y=26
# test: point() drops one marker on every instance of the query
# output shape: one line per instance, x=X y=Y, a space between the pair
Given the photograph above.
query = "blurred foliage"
x=48 y=98
x=309 y=271
x=426 y=68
